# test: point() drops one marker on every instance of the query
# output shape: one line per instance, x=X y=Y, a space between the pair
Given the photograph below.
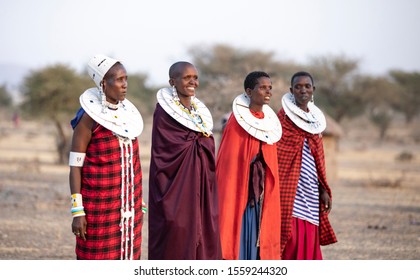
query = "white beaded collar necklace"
x=267 y=129
x=198 y=119
x=113 y=106
x=313 y=121
x=126 y=121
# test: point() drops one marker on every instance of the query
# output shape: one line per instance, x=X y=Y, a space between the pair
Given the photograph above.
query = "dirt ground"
x=376 y=207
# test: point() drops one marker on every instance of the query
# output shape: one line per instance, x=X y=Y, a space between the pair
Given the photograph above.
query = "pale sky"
x=148 y=36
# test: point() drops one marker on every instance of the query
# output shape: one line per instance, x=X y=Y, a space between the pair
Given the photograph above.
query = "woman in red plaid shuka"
x=305 y=196
x=105 y=171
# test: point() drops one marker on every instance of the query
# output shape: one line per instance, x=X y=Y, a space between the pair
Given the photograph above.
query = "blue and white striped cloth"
x=306 y=205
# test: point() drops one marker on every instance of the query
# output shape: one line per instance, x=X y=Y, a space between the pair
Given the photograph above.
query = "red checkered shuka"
x=101 y=191
x=289 y=153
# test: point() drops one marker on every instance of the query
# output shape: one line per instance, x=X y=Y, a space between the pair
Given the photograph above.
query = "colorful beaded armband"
x=77 y=208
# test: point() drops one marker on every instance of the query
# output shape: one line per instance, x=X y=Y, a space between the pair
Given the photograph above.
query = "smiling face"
x=185 y=80
x=260 y=94
x=115 y=84
x=302 y=89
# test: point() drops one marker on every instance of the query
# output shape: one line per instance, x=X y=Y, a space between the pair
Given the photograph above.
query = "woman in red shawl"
x=183 y=211
x=105 y=171
x=247 y=175
x=305 y=197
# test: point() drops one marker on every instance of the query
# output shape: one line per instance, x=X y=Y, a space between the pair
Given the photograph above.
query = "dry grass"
x=376 y=210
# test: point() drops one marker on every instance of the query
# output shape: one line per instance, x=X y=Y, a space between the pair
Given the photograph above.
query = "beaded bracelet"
x=143 y=207
x=77 y=208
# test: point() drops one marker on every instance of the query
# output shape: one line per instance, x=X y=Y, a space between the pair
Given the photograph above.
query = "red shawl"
x=289 y=150
x=236 y=151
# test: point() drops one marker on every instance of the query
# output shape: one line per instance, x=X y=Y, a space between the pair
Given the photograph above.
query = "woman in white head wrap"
x=105 y=171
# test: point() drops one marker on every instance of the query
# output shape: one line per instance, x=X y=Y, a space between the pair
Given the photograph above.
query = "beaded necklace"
x=127 y=199
x=309 y=117
x=194 y=116
x=313 y=121
x=113 y=106
x=123 y=118
x=267 y=129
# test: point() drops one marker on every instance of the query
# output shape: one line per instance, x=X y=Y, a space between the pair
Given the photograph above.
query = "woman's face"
x=261 y=93
x=186 y=82
x=115 y=87
x=302 y=89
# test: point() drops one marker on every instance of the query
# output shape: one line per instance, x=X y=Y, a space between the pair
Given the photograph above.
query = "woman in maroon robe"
x=183 y=208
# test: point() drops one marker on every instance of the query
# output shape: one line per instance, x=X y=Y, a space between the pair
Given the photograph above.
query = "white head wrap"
x=123 y=119
x=98 y=66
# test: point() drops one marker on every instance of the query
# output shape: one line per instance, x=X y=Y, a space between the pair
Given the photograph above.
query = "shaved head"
x=176 y=69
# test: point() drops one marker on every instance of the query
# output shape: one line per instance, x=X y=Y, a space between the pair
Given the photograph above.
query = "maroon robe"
x=183 y=207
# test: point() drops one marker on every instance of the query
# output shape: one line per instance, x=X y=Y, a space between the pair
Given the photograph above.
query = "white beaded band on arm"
x=77 y=208
x=77 y=159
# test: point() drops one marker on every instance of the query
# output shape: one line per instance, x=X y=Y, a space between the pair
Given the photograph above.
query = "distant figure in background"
x=225 y=119
x=16 y=119
x=247 y=175
x=183 y=208
x=305 y=197
x=105 y=170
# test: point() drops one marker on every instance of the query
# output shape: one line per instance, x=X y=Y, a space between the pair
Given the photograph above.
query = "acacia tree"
x=407 y=98
x=223 y=68
x=5 y=97
x=141 y=95
x=336 y=87
x=379 y=94
x=52 y=93
x=5 y=101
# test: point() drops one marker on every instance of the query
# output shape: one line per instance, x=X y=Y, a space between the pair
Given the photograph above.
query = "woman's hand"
x=325 y=199
x=79 y=226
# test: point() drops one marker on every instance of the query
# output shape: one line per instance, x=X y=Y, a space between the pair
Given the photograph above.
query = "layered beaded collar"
x=123 y=118
x=267 y=129
x=313 y=121
x=197 y=118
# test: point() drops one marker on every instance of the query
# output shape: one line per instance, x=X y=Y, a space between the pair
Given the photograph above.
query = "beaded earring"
x=293 y=100
x=103 y=100
x=175 y=93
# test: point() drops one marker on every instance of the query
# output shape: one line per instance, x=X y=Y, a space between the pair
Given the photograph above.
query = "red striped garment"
x=289 y=153
x=101 y=191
